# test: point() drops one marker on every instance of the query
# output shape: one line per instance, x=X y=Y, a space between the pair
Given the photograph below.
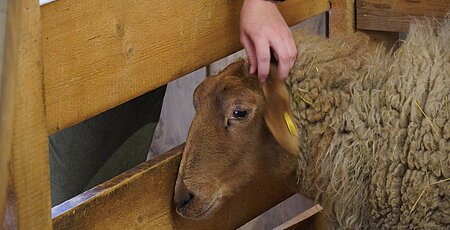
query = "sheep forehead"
x=226 y=89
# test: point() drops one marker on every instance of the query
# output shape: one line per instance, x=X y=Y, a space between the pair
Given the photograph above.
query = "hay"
x=423 y=191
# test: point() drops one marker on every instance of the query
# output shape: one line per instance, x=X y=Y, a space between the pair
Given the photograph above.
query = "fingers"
x=250 y=50
x=259 y=55
x=262 y=28
x=281 y=53
x=262 y=49
x=291 y=50
x=286 y=52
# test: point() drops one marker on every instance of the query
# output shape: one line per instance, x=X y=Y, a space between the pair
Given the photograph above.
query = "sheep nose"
x=182 y=195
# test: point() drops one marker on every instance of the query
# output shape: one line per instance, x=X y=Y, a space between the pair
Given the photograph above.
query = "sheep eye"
x=239 y=114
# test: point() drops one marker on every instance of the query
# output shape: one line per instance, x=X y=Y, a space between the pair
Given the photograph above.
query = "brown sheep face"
x=227 y=146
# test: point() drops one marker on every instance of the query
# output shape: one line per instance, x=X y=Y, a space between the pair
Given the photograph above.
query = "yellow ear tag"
x=290 y=124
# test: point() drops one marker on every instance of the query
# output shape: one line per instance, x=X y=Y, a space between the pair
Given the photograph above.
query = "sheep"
x=374 y=133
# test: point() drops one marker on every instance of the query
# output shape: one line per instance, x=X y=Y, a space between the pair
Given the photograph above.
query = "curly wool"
x=375 y=128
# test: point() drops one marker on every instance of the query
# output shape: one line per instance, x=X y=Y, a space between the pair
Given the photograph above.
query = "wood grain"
x=24 y=129
x=395 y=15
x=342 y=17
x=142 y=199
x=99 y=54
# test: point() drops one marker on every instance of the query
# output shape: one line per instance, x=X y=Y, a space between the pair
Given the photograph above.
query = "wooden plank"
x=142 y=199
x=98 y=54
x=395 y=15
x=341 y=17
x=5 y=116
x=300 y=217
x=26 y=140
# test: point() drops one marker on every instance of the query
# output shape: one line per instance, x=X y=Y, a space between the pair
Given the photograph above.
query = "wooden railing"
x=69 y=60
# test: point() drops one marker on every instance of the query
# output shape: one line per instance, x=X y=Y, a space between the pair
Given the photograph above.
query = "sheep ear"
x=236 y=68
x=278 y=113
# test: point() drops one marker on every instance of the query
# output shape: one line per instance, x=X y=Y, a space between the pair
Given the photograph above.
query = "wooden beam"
x=23 y=120
x=395 y=15
x=99 y=54
x=341 y=17
x=142 y=199
x=298 y=219
x=5 y=116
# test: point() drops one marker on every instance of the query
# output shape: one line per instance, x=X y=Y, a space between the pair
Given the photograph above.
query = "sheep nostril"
x=182 y=195
x=183 y=200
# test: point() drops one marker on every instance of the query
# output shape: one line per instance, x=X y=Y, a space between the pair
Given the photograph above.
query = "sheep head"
x=228 y=144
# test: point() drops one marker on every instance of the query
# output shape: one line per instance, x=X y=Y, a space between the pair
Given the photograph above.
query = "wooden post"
x=23 y=124
x=4 y=156
x=341 y=17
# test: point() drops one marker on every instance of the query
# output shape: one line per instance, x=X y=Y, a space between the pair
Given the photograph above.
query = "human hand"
x=262 y=29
